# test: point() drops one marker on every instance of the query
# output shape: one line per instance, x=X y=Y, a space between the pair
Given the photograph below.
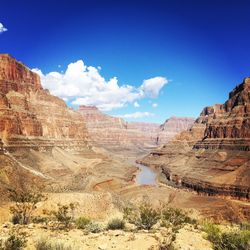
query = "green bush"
x=64 y=215
x=144 y=217
x=93 y=227
x=213 y=233
x=245 y=225
x=44 y=244
x=116 y=224
x=235 y=239
x=175 y=217
x=82 y=222
x=15 y=241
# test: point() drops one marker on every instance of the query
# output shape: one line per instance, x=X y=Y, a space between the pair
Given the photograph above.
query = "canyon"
x=117 y=135
x=213 y=156
x=43 y=142
x=87 y=156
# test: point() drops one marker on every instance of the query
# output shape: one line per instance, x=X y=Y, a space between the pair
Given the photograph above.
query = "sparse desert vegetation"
x=231 y=238
x=25 y=202
x=162 y=226
x=16 y=240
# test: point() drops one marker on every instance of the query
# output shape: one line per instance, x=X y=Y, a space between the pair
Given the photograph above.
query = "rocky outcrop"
x=213 y=156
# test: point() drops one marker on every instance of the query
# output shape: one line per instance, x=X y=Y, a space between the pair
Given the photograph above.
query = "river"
x=146 y=176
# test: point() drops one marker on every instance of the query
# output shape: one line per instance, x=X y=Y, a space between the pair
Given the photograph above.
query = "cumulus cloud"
x=154 y=105
x=84 y=85
x=2 y=28
x=136 y=105
x=151 y=87
x=137 y=115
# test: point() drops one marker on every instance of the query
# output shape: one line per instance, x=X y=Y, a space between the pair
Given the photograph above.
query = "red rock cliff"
x=14 y=76
x=28 y=112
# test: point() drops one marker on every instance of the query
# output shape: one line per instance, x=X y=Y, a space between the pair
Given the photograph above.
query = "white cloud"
x=154 y=105
x=136 y=105
x=137 y=115
x=151 y=87
x=2 y=28
x=83 y=85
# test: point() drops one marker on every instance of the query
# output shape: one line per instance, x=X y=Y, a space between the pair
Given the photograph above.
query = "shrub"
x=25 y=204
x=94 y=227
x=15 y=241
x=129 y=214
x=245 y=225
x=82 y=222
x=175 y=217
x=231 y=240
x=144 y=217
x=64 y=215
x=116 y=224
x=213 y=233
x=40 y=219
x=44 y=244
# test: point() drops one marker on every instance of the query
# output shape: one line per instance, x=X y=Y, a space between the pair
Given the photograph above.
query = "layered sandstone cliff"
x=30 y=112
x=172 y=126
x=34 y=127
x=213 y=157
x=113 y=132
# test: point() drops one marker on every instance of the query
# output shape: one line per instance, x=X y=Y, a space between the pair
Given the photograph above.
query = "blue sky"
x=192 y=52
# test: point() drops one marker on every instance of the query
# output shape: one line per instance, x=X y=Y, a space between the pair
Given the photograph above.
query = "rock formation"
x=30 y=112
x=113 y=132
x=213 y=157
x=172 y=126
x=33 y=124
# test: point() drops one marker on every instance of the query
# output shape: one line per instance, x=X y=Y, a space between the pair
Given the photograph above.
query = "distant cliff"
x=108 y=131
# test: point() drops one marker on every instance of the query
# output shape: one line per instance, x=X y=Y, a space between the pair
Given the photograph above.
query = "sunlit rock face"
x=172 y=126
x=213 y=156
x=114 y=132
x=108 y=131
x=14 y=76
x=28 y=111
x=37 y=130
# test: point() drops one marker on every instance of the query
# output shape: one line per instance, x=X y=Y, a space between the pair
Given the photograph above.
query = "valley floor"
x=102 y=183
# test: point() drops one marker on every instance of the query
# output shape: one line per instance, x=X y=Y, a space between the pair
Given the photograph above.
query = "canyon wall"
x=34 y=127
x=172 y=126
x=213 y=156
x=114 y=132
x=28 y=112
